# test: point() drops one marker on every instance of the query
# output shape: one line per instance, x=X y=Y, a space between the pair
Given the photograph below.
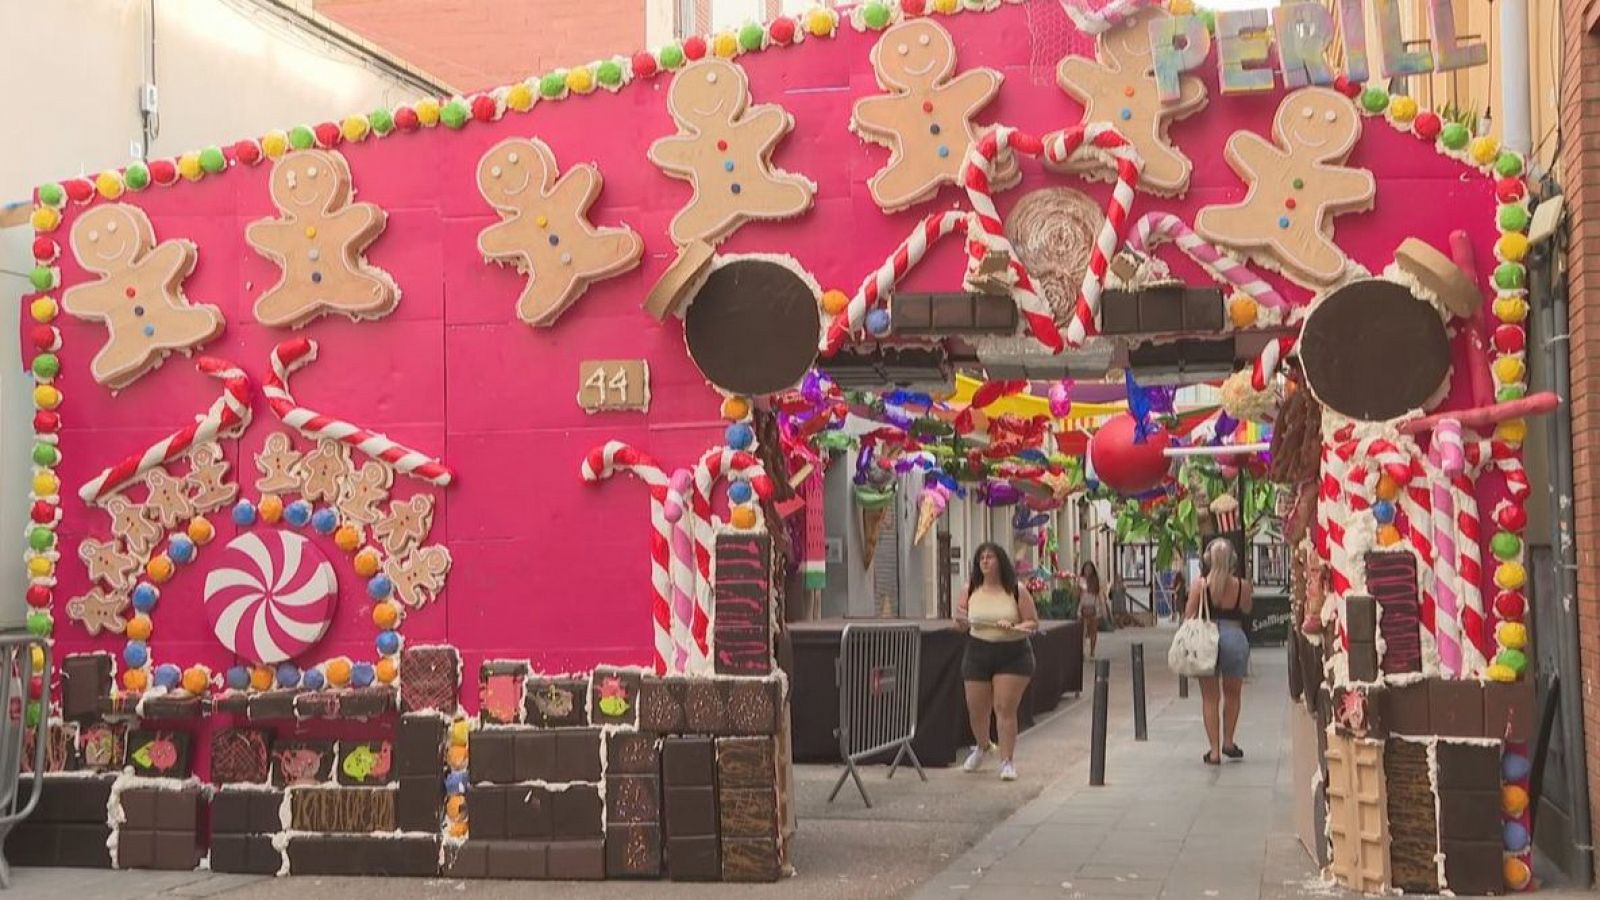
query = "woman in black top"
x=1228 y=599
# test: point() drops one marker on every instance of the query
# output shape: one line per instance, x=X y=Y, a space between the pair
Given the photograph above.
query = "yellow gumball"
x=725 y=45
x=36 y=655
x=1512 y=635
x=519 y=97
x=458 y=732
x=1510 y=309
x=945 y=6
x=45 y=218
x=1510 y=576
x=580 y=80
x=1514 y=431
x=46 y=397
x=427 y=110
x=355 y=128
x=1484 y=150
x=189 y=167
x=820 y=21
x=40 y=567
x=1512 y=246
x=1509 y=369
x=743 y=517
x=109 y=184
x=195 y=679
x=1242 y=311
x=44 y=310
x=347 y=538
x=1517 y=873
x=735 y=409
x=367 y=562
x=834 y=302
x=46 y=484
x=159 y=568
x=200 y=530
x=274 y=144
x=1402 y=108
x=1501 y=674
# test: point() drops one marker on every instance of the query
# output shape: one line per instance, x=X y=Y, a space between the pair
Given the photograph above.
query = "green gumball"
x=40 y=624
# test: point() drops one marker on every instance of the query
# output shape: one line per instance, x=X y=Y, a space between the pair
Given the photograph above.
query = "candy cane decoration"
x=1477 y=645
x=605 y=461
x=987 y=235
x=1099 y=21
x=714 y=465
x=1446 y=458
x=1154 y=229
x=1098 y=139
x=682 y=571
x=880 y=284
x=293 y=355
x=1417 y=503
x=227 y=416
x=1266 y=364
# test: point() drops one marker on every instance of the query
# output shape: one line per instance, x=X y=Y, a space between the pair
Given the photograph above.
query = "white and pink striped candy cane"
x=228 y=415
x=988 y=236
x=1266 y=365
x=1156 y=228
x=605 y=461
x=292 y=355
x=880 y=284
x=1101 y=140
x=1102 y=20
x=1446 y=458
x=686 y=655
x=716 y=464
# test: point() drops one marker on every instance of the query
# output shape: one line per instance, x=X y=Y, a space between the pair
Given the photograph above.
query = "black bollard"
x=1183 y=686
x=1140 y=732
x=1097 y=738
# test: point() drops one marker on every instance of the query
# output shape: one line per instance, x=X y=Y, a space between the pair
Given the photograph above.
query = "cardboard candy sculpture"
x=395 y=609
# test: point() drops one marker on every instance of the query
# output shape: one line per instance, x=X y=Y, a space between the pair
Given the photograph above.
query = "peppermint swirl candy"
x=271 y=597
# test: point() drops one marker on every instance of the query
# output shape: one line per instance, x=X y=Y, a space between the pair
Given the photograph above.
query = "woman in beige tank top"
x=999 y=616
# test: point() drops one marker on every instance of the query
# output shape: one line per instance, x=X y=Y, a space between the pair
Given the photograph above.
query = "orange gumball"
x=455 y=807
x=458 y=829
x=735 y=409
x=1388 y=488
x=384 y=615
x=834 y=302
x=261 y=678
x=200 y=530
x=367 y=562
x=347 y=538
x=456 y=757
x=1388 y=536
x=743 y=517
x=139 y=628
x=196 y=679
x=135 y=679
x=270 y=509
x=338 y=672
x=387 y=670
x=159 y=568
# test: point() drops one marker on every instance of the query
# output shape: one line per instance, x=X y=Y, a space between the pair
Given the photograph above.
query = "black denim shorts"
x=986 y=659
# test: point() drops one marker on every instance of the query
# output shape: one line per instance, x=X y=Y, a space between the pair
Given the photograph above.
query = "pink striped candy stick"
x=880 y=284
x=294 y=354
x=682 y=572
x=1155 y=228
x=1445 y=459
x=716 y=464
x=1100 y=140
x=605 y=461
x=227 y=416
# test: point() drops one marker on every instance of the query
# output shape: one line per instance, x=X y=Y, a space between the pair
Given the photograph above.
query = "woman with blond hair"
x=1227 y=599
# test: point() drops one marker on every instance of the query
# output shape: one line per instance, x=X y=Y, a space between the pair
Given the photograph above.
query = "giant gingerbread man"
x=1119 y=87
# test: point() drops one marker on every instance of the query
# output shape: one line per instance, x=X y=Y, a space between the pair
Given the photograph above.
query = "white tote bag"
x=1194 y=647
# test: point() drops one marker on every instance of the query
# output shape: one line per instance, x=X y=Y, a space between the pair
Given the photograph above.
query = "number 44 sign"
x=614 y=385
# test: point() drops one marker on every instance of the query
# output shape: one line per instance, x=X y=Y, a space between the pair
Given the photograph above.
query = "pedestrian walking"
x=1091 y=603
x=999 y=616
x=1227 y=599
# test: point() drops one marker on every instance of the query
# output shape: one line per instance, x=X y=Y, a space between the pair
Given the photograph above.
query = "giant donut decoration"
x=271 y=596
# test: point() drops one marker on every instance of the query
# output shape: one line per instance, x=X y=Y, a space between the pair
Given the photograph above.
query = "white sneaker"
x=975 y=759
x=1008 y=771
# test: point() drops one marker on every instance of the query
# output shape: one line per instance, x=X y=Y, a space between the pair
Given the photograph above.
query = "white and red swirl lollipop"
x=271 y=596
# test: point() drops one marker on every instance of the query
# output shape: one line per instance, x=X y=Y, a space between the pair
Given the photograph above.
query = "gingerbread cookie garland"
x=323 y=471
x=108 y=564
x=1297 y=185
x=545 y=230
x=406 y=525
x=99 y=610
x=139 y=294
x=723 y=148
x=277 y=463
x=363 y=491
x=318 y=241
x=1119 y=86
x=418 y=576
x=207 y=479
x=926 y=116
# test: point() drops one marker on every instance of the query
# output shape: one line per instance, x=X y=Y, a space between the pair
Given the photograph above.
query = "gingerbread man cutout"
x=276 y=462
x=322 y=472
x=406 y=525
x=725 y=150
x=544 y=229
x=1297 y=185
x=130 y=522
x=363 y=493
x=1119 y=87
x=926 y=118
x=318 y=242
x=420 y=576
x=208 y=471
x=108 y=564
x=99 y=611
x=168 y=503
x=139 y=294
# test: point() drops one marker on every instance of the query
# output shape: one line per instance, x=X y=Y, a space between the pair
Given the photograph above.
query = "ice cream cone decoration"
x=1225 y=510
x=871 y=526
x=930 y=506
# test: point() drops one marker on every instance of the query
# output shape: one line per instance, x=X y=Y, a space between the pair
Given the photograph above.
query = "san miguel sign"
x=1304 y=34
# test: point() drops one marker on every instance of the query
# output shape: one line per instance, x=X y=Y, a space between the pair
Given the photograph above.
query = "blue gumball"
x=1516 y=837
x=879 y=323
x=313 y=679
x=388 y=642
x=237 y=678
x=297 y=513
x=739 y=436
x=456 y=782
x=1515 y=767
x=740 y=492
x=181 y=549
x=145 y=596
x=288 y=675
x=136 y=654
x=325 y=521
x=1383 y=511
x=362 y=675
x=168 y=676
x=379 y=587
x=244 y=514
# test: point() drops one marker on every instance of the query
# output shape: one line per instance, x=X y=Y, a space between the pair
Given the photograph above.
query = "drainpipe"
x=1516 y=129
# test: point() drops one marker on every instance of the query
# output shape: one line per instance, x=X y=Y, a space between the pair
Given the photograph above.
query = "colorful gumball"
x=459 y=729
x=362 y=675
x=367 y=563
x=324 y=521
x=735 y=409
x=135 y=680
x=200 y=530
x=1383 y=511
x=36 y=656
x=338 y=672
x=1515 y=767
x=1511 y=517
x=244 y=514
x=181 y=549
x=456 y=757
x=458 y=829
x=1516 y=836
x=313 y=679
x=196 y=679
x=168 y=676
x=379 y=587
x=739 y=436
x=743 y=517
x=388 y=642
x=1513 y=800
x=879 y=323
x=288 y=675
x=1388 y=536
x=297 y=513
x=145 y=596
x=1510 y=605
x=136 y=654
x=38 y=596
x=159 y=568
x=455 y=807
x=261 y=678
x=1517 y=874
x=139 y=628
x=387 y=671
x=271 y=509
x=237 y=678
x=347 y=538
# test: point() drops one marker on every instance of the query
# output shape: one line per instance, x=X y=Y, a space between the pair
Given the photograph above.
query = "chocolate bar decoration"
x=159 y=754
x=632 y=753
x=240 y=756
x=614 y=697
x=1413 y=828
x=1392 y=581
x=557 y=703
x=430 y=679
x=1361 y=624
x=342 y=810
x=86 y=677
x=746 y=763
x=244 y=855
x=365 y=763
x=633 y=851
x=302 y=762
x=418 y=746
x=661 y=705
x=743 y=593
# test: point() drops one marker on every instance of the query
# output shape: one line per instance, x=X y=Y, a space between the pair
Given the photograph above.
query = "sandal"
x=1210 y=760
x=1232 y=751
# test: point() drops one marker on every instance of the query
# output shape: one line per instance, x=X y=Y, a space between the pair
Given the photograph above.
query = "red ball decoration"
x=1343 y=85
x=328 y=135
x=1511 y=516
x=1510 y=190
x=38 y=596
x=644 y=65
x=44 y=337
x=694 y=47
x=405 y=119
x=163 y=171
x=484 y=108
x=1510 y=605
x=80 y=190
x=782 y=28
x=35 y=687
x=42 y=512
x=46 y=421
x=1427 y=125
x=1509 y=339
x=1127 y=467
x=1400 y=472
x=913 y=7
x=247 y=152
x=45 y=250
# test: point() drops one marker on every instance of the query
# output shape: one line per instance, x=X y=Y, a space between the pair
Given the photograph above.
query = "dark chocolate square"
x=1361 y=619
x=661 y=705
x=365 y=763
x=414 y=856
x=748 y=813
x=298 y=762
x=1469 y=815
x=136 y=849
x=159 y=754
x=176 y=851
x=419 y=803
x=1510 y=711
x=633 y=799
x=750 y=860
x=911 y=312
x=633 y=851
x=577 y=812
x=1363 y=661
x=266 y=812
x=467 y=860
x=486 y=812
x=614 y=697
x=691 y=810
x=430 y=679
x=234 y=703
x=326 y=855
x=632 y=753
x=230 y=811
x=85 y=678
x=1456 y=707
x=743 y=651
x=500 y=693
x=178 y=810
x=491 y=756
x=271 y=706
x=578 y=755
x=1406 y=709
x=687 y=762
x=70 y=799
x=240 y=756
x=365 y=703
x=746 y=762
x=419 y=745
x=139 y=808
x=103 y=746
x=705 y=708
x=83 y=846
x=534 y=755
x=170 y=707
x=578 y=860
x=518 y=859
x=530 y=813
x=694 y=858
x=1470 y=767
x=33 y=844
x=753 y=707
x=1474 y=868
x=230 y=853
x=558 y=703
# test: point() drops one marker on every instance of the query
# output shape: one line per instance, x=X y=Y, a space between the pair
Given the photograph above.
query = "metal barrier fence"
x=16 y=674
x=878 y=671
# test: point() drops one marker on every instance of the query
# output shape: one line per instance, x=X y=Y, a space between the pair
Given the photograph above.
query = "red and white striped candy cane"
x=1102 y=20
x=988 y=235
x=228 y=415
x=880 y=284
x=1271 y=357
x=1416 y=501
x=1156 y=228
x=1098 y=139
x=686 y=656
x=716 y=464
x=1478 y=645
x=605 y=461
x=292 y=355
